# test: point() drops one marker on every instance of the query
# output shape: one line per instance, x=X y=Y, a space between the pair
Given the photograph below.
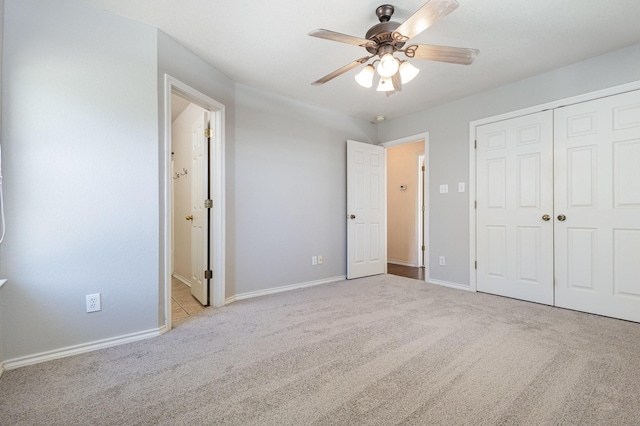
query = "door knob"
x=546 y=217
x=351 y=216
x=562 y=218
x=190 y=217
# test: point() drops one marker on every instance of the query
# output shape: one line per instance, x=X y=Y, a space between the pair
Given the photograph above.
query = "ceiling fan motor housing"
x=381 y=33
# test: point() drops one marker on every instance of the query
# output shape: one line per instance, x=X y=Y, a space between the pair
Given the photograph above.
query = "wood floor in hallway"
x=406 y=271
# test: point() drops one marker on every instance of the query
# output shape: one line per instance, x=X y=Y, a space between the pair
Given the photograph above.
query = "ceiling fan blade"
x=453 y=55
x=340 y=71
x=342 y=38
x=424 y=17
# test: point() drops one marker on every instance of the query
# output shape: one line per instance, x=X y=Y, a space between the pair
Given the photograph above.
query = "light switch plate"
x=460 y=186
x=444 y=189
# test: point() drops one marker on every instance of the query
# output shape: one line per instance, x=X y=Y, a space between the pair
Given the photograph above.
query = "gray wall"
x=80 y=129
x=448 y=127
x=82 y=114
x=83 y=125
x=2 y=303
x=290 y=189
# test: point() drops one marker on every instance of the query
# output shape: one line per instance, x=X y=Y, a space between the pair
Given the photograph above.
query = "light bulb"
x=388 y=65
x=365 y=77
x=385 y=85
x=407 y=72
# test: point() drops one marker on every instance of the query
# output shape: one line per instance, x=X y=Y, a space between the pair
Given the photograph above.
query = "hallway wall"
x=402 y=204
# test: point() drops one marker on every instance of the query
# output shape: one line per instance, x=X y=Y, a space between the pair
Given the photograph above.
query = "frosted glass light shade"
x=365 y=77
x=385 y=85
x=407 y=72
x=388 y=65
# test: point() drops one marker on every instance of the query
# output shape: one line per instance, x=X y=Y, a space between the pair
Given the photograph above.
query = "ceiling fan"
x=387 y=37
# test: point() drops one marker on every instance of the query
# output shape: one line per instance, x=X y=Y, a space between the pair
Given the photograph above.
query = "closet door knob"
x=190 y=217
x=351 y=216
x=562 y=218
x=546 y=217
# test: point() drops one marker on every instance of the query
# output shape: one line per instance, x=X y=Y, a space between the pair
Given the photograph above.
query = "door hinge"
x=208 y=133
x=208 y=204
x=475 y=204
x=475 y=144
x=423 y=248
x=424 y=209
x=208 y=274
x=424 y=168
x=476 y=264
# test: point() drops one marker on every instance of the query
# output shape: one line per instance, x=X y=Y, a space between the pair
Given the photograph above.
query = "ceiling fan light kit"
x=388 y=65
x=365 y=77
x=388 y=37
x=407 y=72
x=385 y=85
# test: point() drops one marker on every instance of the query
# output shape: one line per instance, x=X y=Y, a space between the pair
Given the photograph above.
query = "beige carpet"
x=381 y=350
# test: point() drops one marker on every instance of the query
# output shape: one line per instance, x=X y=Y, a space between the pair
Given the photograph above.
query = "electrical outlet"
x=93 y=302
x=441 y=260
x=320 y=260
x=314 y=260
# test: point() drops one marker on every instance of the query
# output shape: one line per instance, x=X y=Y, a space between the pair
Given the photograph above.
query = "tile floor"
x=183 y=304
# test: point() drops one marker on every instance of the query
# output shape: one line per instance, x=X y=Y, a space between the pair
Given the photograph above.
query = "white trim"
x=79 y=349
x=407 y=139
x=420 y=215
x=217 y=229
x=425 y=231
x=611 y=91
x=181 y=279
x=449 y=285
x=281 y=289
x=401 y=263
x=2 y=283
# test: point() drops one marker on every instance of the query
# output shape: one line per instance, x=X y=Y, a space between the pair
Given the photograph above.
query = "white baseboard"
x=78 y=349
x=401 y=263
x=181 y=279
x=450 y=285
x=273 y=290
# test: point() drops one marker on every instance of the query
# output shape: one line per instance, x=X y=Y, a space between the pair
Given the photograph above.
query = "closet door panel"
x=597 y=206
x=514 y=191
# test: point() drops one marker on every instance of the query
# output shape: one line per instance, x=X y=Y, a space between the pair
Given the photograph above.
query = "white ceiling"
x=264 y=44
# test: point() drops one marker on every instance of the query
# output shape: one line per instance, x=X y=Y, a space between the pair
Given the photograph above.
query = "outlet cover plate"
x=93 y=302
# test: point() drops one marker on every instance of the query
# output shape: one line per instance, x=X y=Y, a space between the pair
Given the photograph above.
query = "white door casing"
x=597 y=175
x=366 y=230
x=217 y=173
x=420 y=217
x=200 y=214
x=514 y=197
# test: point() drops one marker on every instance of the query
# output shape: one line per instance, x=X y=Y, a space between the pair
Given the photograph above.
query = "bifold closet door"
x=514 y=184
x=597 y=206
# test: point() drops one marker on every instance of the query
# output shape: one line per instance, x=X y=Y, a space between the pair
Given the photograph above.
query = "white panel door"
x=366 y=234
x=597 y=206
x=199 y=213
x=514 y=206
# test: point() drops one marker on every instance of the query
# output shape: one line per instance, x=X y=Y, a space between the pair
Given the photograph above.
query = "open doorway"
x=407 y=206
x=189 y=294
x=193 y=198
